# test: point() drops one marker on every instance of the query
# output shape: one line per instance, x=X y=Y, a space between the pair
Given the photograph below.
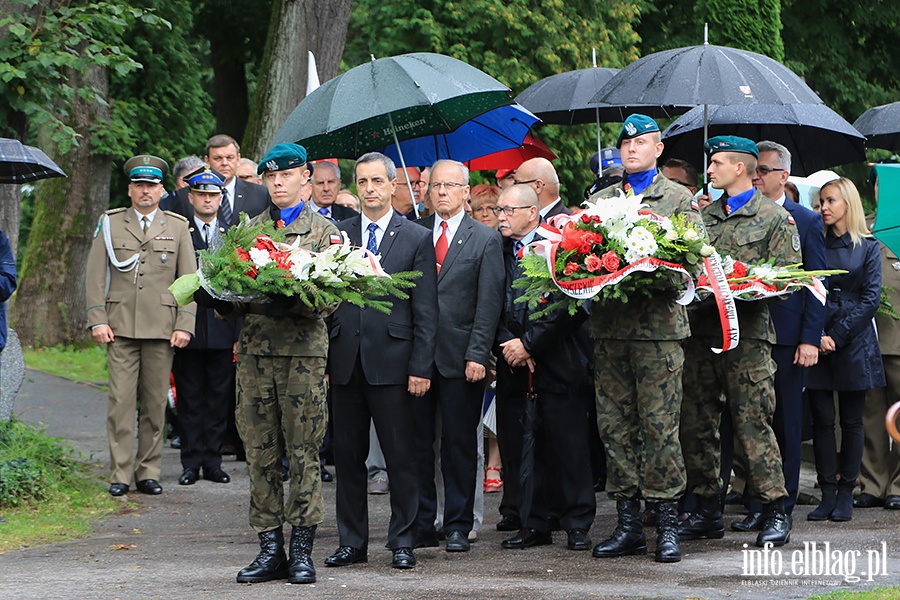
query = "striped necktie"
x=372 y=244
x=225 y=208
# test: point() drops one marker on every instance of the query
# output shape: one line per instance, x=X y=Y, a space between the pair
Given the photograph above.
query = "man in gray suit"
x=470 y=278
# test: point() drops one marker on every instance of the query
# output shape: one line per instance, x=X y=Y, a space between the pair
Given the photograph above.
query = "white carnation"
x=260 y=257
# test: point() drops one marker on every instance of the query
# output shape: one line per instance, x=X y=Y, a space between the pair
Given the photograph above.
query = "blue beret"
x=730 y=143
x=146 y=168
x=281 y=157
x=636 y=125
x=205 y=179
x=605 y=158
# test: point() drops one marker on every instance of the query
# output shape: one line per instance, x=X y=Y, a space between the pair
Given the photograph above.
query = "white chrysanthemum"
x=260 y=257
x=631 y=256
x=641 y=243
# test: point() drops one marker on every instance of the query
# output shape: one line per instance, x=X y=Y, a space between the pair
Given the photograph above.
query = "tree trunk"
x=230 y=90
x=49 y=307
x=296 y=26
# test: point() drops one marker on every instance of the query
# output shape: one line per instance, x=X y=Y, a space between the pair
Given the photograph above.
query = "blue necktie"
x=225 y=209
x=324 y=212
x=517 y=247
x=372 y=244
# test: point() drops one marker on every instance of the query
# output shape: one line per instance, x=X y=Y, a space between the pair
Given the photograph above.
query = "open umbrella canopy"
x=881 y=126
x=20 y=163
x=562 y=99
x=706 y=74
x=531 y=147
x=817 y=137
x=407 y=96
x=502 y=128
x=887 y=214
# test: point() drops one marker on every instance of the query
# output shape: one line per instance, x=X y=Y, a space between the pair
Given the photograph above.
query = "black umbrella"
x=526 y=470
x=20 y=163
x=881 y=126
x=817 y=137
x=706 y=74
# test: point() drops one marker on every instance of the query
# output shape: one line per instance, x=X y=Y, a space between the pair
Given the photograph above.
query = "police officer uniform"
x=129 y=271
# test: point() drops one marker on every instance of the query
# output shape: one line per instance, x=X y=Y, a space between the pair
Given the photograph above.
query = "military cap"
x=634 y=126
x=730 y=143
x=605 y=158
x=205 y=180
x=144 y=167
x=281 y=157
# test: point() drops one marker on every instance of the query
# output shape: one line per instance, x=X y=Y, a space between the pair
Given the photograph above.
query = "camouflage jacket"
x=757 y=232
x=300 y=332
x=643 y=318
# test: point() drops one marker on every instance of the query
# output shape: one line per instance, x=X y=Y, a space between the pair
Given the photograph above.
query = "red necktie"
x=440 y=248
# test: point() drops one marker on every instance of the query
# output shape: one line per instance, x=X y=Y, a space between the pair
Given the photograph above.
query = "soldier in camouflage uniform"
x=638 y=361
x=281 y=389
x=750 y=228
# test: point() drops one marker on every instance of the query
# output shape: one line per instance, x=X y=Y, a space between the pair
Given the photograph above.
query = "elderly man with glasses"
x=539 y=174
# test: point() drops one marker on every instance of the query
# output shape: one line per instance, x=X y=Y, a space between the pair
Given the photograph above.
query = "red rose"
x=571 y=268
x=243 y=255
x=586 y=219
x=598 y=237
x=279 y=223
x=740 y=270
x=596 y=219
x=611 y=261
x=592 y=263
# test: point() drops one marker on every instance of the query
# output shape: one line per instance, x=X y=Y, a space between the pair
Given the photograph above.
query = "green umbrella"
x=390 y=100
x=887 y=215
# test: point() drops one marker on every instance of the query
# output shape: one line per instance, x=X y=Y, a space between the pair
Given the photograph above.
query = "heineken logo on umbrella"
x=404 y=126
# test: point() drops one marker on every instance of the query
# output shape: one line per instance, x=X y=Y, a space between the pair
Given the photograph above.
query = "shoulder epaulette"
x=114 y=211
x=176 y=215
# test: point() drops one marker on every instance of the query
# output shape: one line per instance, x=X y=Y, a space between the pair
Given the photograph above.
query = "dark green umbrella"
x=390 y=100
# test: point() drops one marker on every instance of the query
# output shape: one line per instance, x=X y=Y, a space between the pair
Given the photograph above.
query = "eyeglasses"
x=506 y=210
x=517 y=182
x=449 y=185
x=764 y=170
x=413 y=182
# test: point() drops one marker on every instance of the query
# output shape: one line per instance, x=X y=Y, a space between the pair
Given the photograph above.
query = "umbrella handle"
x=890 y=421
x=403 y=164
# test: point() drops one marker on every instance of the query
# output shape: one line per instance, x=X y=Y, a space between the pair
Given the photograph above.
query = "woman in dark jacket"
x=849 y=361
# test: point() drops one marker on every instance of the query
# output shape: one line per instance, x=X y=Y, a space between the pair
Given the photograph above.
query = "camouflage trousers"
x=746 y=376
x=281 y=410
x=638 y=391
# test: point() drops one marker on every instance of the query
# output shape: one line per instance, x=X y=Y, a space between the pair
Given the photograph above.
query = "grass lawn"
x=879 y=593
x=88 y=364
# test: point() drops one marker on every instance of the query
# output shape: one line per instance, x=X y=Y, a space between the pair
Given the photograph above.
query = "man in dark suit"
x=204 y=370
x=326 y=183
x=553 y=357
x=470 y=294
x=223 y=154
x=541 y=176
x=380 y=366
x=798 y=327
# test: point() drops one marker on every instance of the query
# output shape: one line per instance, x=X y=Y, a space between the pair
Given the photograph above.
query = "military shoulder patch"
x=795 y=242
x=791 y=219
x=176 y=215
x=334 y=239
x=694 y=204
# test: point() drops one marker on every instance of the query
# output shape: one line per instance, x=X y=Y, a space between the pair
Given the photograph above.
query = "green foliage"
x=43 y=41
x=163 y=108
x=30 y=463
x=886 y=307
x=516 y=41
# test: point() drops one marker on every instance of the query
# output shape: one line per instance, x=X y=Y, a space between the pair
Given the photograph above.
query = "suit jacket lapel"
x=457 y=243
x=354 y=231
x=387 y=240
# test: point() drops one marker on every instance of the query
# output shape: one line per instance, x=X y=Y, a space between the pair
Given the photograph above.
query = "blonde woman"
x=849 y=362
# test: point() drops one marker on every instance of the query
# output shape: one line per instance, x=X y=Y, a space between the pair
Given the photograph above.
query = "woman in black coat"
x=849 y=360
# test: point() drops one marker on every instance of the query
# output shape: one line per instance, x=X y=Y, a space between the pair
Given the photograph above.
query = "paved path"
x=191 y=541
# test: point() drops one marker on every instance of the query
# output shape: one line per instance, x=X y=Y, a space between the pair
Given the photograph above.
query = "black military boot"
x=300 y=565
x=628 y=536
x=668 y=547
x=705 y=522
x=270 y=563
x=776 y=528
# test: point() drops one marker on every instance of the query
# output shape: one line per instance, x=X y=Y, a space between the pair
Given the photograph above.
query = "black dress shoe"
x=216 y=475
x=118 y=489
x=149 y=486
x=327 y=477
x=428 y=539
x=892 y=502
x=457 y=542
x=189 y=476
x=345 y=555
x=578 y=540
x=865 y=500
x=531 y=538
x=404 y=558
x=175 y=443
x=509 y=523
x=752 y=522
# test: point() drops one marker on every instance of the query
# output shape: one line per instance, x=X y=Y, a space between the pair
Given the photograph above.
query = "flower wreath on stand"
x=252 y=263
